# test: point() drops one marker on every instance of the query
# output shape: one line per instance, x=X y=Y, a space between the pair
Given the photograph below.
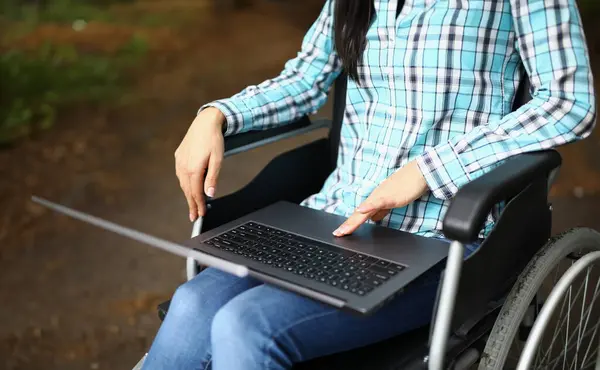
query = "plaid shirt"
x=437 y=84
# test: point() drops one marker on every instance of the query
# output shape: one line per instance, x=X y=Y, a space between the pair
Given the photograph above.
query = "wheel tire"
x=529 y=282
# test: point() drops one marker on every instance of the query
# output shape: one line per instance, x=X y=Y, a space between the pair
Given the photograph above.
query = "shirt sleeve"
x=300 y=89
x=552 y=46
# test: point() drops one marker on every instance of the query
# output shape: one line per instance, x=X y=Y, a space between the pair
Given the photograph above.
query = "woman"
x=428 y=109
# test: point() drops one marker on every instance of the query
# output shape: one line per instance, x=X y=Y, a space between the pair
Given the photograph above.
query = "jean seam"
x=208 y=363
x=273 y=340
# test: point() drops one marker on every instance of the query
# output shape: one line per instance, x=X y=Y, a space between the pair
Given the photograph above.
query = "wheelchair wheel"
x=570 y=339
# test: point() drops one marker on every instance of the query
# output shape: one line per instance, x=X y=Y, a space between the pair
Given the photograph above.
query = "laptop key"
x=396 y=267
x=382 y=263
x=374 y=282
x=381 y=277
x=383 y=270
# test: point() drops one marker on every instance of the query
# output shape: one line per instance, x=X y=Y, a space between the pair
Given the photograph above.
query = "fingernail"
x=210 y=192
x=340 y=231
x=192 y=218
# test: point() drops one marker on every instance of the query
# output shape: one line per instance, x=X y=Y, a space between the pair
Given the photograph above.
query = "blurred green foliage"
x=35 y=85
x=57 y=10
x=26 y=14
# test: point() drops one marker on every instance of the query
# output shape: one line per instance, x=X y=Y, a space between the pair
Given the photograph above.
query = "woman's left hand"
x=404 y=186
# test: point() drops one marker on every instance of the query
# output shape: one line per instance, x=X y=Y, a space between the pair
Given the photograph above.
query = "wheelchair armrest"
x=474 y=201
x=240 y=143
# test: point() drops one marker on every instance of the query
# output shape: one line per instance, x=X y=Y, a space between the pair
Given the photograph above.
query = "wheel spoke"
x=559 y=327
x=579 y=338
x=596 y=291
x=586 y=313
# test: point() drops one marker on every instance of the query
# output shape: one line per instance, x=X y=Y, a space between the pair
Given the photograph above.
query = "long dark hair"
x=352 y=21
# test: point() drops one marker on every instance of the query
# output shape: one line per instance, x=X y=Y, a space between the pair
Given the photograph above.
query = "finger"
x=379 y=215
x=372 y=204
x=184 y=184
x=352 y=223
x=214 y=167
x=196 y=185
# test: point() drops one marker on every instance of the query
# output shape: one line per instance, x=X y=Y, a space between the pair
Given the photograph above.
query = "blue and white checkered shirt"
x=437 y=85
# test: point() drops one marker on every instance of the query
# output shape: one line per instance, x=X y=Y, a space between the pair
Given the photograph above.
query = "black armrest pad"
x=474 y=201
x=239 y=140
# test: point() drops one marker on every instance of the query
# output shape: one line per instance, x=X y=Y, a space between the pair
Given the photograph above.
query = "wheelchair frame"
x=466 y=308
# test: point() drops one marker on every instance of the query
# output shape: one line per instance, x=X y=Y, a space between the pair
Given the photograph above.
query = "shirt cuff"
x=443 y=171
x=238 y=118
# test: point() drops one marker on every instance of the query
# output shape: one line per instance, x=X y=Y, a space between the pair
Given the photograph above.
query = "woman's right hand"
x=200 y=153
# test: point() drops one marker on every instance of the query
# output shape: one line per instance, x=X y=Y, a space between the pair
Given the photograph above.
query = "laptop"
x=292 y=247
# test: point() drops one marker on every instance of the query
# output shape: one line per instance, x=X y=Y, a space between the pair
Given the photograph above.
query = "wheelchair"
x=493 y=306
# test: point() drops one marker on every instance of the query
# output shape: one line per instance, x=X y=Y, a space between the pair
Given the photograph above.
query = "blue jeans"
x=222 y=322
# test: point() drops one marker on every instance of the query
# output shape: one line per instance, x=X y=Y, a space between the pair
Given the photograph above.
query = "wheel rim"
x=566 y=335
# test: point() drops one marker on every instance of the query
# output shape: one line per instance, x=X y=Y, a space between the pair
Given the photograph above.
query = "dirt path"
x=74 y=297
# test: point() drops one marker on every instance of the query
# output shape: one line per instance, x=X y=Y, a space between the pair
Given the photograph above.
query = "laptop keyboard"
x=343 y=269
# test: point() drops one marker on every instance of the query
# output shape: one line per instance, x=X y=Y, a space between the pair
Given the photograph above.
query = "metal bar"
x=559 y=290
x=445 y=309
x=191 y=266
x=598 y=358
x=139 y=365
x=179 y=250
x=318 y=124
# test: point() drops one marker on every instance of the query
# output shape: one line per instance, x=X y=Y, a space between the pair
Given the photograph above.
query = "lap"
x=313 y=329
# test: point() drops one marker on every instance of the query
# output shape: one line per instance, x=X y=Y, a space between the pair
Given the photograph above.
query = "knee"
x=238 y=323
x=185 y=301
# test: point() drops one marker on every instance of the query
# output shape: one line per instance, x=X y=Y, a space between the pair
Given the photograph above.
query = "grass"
x=28 y=14
x=36 y=85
